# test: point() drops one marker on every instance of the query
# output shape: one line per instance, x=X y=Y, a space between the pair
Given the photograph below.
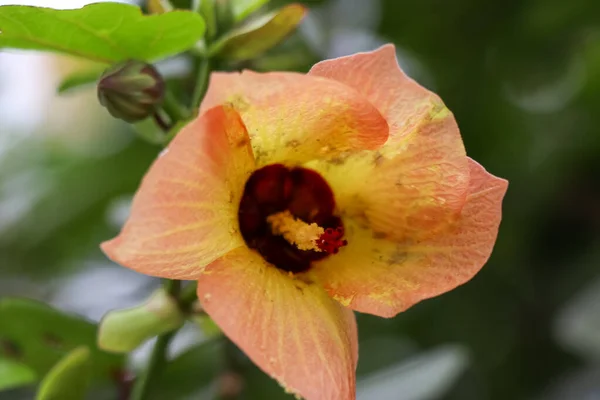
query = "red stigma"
x=331 y=240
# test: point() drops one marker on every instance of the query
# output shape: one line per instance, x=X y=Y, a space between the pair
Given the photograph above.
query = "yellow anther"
x=299 y=233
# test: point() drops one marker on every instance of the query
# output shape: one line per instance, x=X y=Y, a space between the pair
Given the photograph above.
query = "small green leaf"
x=104 y=32
x=242 y=9
x=123 y=330
x=258 y=35
x=38 y=336
x=14 y=374
x=69 y=378
x=80 y=78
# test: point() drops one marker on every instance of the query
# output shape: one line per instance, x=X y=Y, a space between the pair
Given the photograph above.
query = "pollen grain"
x=297 y=232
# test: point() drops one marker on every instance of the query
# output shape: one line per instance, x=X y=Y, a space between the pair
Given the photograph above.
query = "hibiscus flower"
x=295 y=199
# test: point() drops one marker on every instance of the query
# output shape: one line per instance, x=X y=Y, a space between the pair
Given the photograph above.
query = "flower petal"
x=290 y=328
x=294 y=118
x=417 y=183
x=412 y=189
x=379 y=276
x=377 y=76
x=184 y=215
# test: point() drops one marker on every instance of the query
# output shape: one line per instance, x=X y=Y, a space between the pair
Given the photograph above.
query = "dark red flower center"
x=307 y=197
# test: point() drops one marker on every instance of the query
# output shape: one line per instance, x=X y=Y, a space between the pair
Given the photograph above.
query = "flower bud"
x=121 y=331
x=131 y=90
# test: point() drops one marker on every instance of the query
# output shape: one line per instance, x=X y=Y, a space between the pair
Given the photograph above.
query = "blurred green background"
x=523 y=79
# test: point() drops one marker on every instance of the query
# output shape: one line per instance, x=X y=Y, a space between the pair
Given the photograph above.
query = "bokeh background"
x=523 y=79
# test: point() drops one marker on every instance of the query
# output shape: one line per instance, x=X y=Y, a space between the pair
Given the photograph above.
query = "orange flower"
x=294 y=199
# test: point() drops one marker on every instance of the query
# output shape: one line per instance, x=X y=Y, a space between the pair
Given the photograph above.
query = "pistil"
x=303 y=235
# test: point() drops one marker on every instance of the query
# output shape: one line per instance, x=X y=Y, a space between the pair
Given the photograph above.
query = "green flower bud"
x=131 y=90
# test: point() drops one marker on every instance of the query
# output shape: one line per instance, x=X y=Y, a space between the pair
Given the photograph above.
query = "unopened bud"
x=131 y=90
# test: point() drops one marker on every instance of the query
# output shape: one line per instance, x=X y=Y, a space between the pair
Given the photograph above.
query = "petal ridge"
x=289 y=327
x=376 y=275
x=184 y=215
x=293 y=118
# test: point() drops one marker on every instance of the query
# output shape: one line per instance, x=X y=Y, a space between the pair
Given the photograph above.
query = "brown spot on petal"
x=380 y=235
x=397 y=257
x=242 y=142
x=337 y=160
x=293 y=143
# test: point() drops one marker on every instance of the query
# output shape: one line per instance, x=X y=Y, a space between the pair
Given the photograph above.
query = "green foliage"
x=38 y=336
x=58 y=230
x=104 y=32
x=192 y=372
x=207 y=9
x=80 y=78
x=258 y=35
x=242 y=9
x=69 y=378
x=122 y=331
x=15 y=374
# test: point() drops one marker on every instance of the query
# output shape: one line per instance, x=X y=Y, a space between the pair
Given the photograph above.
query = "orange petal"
x=417 y=183
x=414 y=188
x=291 y=329
x=184 y=215
x=377 y=76
x=379 y=276
x=294 y=118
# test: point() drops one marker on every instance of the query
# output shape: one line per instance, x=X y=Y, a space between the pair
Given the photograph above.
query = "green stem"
x=159 y=353
x=172 y=287
x=157 y=360
x=188 y=296
x=160 y=121
x=202 y=79
x=174 y=109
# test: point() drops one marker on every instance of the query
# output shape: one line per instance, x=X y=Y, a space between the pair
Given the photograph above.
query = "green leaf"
x=38 y=336
x=80 y=78
x=124 y=330
x=258 y=385
x=14 y=374
x=191 y=372
x=104 y=32
x=242 y=9
x=69 y=379
x=258 y=35
x=207 y=9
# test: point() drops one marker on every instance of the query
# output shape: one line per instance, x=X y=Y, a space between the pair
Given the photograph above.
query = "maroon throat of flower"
x=286 y=214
